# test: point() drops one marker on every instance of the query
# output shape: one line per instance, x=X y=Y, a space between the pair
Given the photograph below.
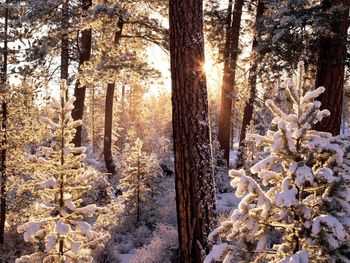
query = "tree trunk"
x=79 y=92
x=107 y=142
x=330 y=69
x=233 y=24
x=195 y=192
x=107 y=146
x=65 y=42
x=248 y=109
x=3 y=205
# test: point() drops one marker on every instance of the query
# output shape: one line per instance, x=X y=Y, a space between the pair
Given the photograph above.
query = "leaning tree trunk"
x=3 y=179
x=107 y=146
x=248 y=109
x=195 y=193
x=330 y=68
x=79 y=92
x=107 y=142
x=65 y=42
x=233 y=24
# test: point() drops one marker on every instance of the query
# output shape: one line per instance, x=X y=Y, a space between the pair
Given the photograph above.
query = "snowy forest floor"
x=152 y=241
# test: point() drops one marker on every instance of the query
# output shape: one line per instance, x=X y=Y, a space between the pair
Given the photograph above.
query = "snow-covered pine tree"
x=58 y=223
x=298 y=210
x=139 y=181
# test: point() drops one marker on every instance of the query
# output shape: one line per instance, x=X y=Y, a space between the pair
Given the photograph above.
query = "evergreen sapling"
x=58 y=222
x=298 y=209
x=139 y=181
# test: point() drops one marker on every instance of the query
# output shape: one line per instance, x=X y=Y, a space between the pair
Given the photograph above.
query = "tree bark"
x=195 y=192
x=3 y=179
x=248 y=109
x=330 y=68
x=233 y=24
x=65 y=42
x=107 y=142
x=79 y=92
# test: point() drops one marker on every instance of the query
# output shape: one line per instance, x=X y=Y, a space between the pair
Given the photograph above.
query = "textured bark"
x=79 y=92
x=107 y=142
x=330 y=69
x=249 y=107
x=65 y=42
x=195 y=193
x=3 y=179
x=233 y=23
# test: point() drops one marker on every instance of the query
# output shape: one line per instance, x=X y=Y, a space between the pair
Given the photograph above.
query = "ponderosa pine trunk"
x=195 y=192
x=107 y=146
x=65 y=42
x=330 y=68
x=249 y=107
x=3 y=179
x=79 y=92
x=107 y=142
x=233 y=23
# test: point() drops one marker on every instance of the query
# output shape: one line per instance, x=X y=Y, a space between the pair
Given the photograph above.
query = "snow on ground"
x=233 y=158
x=125 y=258
x=226 y=202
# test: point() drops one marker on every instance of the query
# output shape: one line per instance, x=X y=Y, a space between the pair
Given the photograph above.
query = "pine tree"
x=298 y=209
x=60 y=181
x=108 y=127
x=84 y=56
x=233 y=24
x=194 y=183
x=139 y=181
x=331 y=65
x=253 y=70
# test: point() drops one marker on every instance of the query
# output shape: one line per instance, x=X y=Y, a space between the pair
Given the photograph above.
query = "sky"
x=160 y=60
x=156 y=57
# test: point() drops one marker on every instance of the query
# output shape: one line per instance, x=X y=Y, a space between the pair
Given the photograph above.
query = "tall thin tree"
x=233 y=23
x=65 y=41
x=248 y=109
x=331 y=65
x=195 y=193
x=79 y=91
x=107 y=140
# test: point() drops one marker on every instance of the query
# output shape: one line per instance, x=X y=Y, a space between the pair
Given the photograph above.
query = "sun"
x=213 y=71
